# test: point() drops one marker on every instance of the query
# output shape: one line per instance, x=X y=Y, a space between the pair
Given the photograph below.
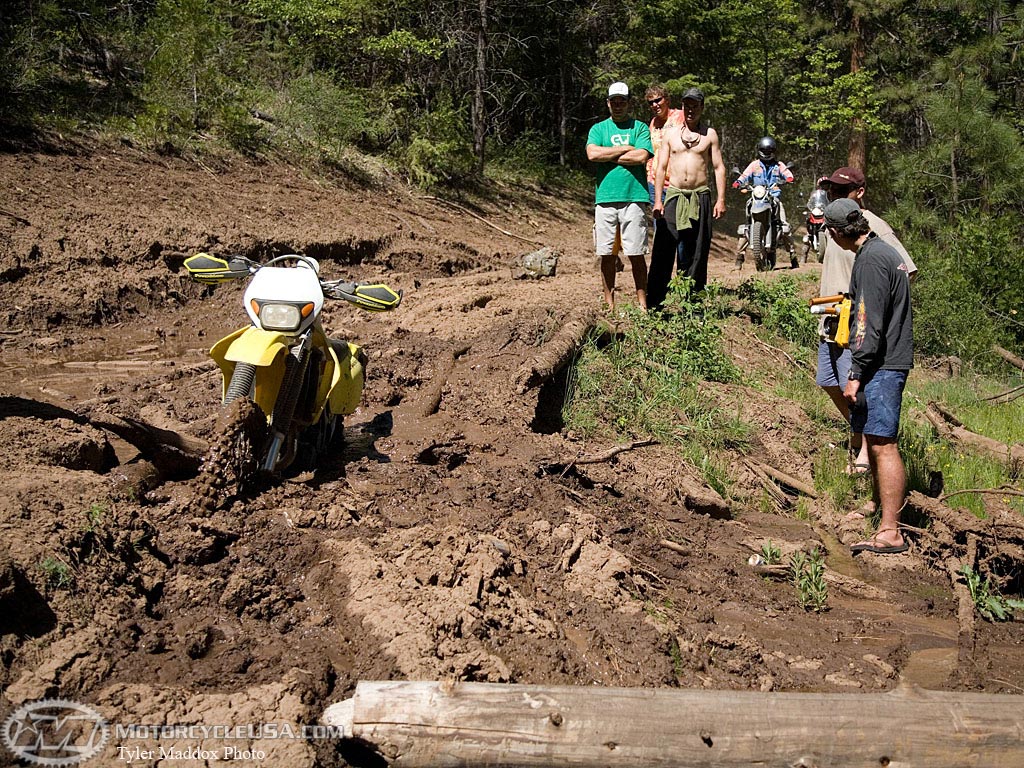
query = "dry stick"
x=965 y=608
x=481 y=218
x=1001 y=491
x=1016 y=392
x=16 y=217
x=778 y=495
x=789 y=480
x=674 y=547
x=802 y=366
x=1008 y=356
x=597 y=458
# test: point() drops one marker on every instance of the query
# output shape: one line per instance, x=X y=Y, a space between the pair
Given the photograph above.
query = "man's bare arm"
x=635 y=157
x=599 y=154
x=719 y=165
x=660 y=172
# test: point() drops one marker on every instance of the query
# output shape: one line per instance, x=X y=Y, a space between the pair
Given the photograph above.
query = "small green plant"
x=58 y=573
x=678 y=667
x=95 y=515
x=802 y=511
x=771 y=553
x=987 y=600
x=808 y=575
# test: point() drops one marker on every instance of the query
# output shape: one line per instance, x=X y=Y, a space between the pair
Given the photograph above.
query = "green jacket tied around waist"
x=688 y=209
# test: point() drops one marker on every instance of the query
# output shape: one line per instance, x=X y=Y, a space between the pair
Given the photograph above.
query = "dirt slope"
x=439 y=543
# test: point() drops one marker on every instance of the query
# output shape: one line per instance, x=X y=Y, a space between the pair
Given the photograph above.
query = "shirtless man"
x=687 y=150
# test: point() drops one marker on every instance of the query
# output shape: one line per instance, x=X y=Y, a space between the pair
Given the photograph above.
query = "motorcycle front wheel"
x=757 y=246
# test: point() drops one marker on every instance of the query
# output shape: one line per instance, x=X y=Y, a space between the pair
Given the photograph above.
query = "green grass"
x=59 y=574
x=783 y=312
x=647 y=383
x=923 y=452
x=831 y=479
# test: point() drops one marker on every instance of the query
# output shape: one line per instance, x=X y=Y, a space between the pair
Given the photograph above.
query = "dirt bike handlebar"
x=373 y=297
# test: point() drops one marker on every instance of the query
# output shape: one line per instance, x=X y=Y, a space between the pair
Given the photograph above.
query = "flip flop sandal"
x=858 y=468
x=878 y=548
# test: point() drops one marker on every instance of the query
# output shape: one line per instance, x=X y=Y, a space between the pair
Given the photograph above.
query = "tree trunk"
x=857 y=154
x=480 y=78
x=471 y=724
x=950 y=428
x=563 y=113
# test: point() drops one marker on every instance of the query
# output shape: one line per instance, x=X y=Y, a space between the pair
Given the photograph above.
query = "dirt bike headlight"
x=280 y=317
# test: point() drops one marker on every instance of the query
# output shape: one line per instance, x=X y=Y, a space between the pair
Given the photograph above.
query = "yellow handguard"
x=841 y=306
x=211 y=270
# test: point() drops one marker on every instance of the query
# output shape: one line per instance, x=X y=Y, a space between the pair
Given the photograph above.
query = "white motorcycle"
x=814 y=211
x=763 y=231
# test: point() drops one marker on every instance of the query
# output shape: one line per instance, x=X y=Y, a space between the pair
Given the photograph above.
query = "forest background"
x=925 y=95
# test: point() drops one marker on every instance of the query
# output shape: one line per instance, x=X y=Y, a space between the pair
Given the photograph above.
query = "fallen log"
x=788 y=480
x=556 y=354
x=950 y=428
x=1008 y=356
x=1007 y=528
x=473 y=724
x=998 y=538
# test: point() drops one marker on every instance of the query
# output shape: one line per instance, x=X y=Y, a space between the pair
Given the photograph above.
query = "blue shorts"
x=833 y=365
x=878 y=411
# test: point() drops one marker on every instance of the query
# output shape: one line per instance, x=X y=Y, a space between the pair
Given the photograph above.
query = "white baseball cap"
x=618 y=89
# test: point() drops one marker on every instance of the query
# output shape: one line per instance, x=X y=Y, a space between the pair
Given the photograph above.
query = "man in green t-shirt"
x=620 y=147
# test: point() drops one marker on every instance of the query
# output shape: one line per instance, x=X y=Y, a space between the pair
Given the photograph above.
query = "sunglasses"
x=835 y=191
x=655 y=102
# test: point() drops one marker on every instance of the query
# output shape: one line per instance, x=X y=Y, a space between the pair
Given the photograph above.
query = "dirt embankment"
x=439 y=543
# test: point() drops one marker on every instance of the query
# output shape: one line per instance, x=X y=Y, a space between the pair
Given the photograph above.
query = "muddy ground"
x=438 y=542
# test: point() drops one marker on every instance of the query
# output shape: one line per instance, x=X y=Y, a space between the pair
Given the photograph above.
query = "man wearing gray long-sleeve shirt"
x=882 y=352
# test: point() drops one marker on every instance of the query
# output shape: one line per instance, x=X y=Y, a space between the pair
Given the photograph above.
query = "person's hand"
x=658 y=211
x=719 y=209
x=850 y=393
x=736 y=185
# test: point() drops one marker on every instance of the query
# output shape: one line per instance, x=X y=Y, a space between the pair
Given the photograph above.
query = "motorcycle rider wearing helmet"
x=768 y=170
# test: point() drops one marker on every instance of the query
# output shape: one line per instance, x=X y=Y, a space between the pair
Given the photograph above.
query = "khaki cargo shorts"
x=629 y=220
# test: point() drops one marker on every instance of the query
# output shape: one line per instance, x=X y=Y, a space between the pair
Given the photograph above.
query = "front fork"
x=283 y=414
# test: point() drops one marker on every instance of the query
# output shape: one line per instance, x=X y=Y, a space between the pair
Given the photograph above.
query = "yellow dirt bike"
x=302 y=381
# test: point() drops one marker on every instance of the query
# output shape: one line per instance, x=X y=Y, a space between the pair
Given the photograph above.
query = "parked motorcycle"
x=814 y=213
x=763 y=231
x=303 y=382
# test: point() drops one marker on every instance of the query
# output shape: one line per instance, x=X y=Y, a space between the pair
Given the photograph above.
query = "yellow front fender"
x=265 y=350
x=346 y=379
